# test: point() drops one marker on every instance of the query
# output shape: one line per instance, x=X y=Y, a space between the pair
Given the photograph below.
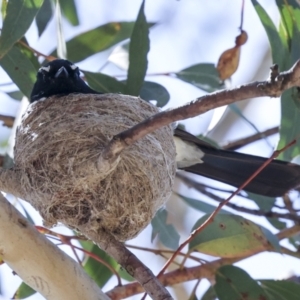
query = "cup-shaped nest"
x=59 y=146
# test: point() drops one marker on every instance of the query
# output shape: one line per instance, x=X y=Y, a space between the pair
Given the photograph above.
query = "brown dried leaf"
x=229 y=60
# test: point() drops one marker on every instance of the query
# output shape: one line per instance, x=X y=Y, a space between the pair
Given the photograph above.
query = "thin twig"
x=256 y=212
x=250 y=139
x=204 y=271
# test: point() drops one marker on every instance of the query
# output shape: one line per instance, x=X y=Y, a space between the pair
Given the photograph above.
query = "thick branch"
x=41 y=264
x=131 y=263
x=273 y=87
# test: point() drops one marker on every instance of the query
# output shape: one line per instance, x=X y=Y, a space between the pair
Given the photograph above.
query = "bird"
x=62 y=77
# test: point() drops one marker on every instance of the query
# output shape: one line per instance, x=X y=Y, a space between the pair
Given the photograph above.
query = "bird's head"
x=58 y=77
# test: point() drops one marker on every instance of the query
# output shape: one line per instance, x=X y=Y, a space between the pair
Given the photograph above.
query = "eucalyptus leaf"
x=18 y=64
x=234 y=283
x=138 y=51
x=104 y=83
x=44 y=16
x=204 y=76
x=69 y=11
x=96 y=270
x=229 y=236
x=24 y=291
x=96 y=40
x=155 y=91
x=167 y=233
x=19 y=16
x=281 y=289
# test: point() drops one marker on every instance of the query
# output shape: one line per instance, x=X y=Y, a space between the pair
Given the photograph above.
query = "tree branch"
x=273 y=87
x=204 y=271
x=130 y=263
x=40 y=263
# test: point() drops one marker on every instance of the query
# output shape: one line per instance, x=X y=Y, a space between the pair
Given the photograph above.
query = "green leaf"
x=97 y=271
x=24 y=291
x=69 y=11
x=266 y=204
x=17 y=95
x=279 y=50
x=272 y=238
x=281 y=289
x=210 y=294
x=43 y=16
x=233 y=283
x=104 y=83
x=290 y=122
x=3 y=8
x=154 y=91
x=96 y=40
x=124 y=274
x=138 y=50
x=19 y=16
x=200 y=205
x=166 y=232
x=204 y=76
x=18 y=64
x=228 y=236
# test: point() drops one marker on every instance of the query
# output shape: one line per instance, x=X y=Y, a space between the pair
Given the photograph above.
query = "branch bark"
x=41 y=264
x=131 y=263
x=272 y=87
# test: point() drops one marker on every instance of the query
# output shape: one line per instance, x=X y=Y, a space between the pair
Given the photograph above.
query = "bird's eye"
x=73 y=67
x=47 y=69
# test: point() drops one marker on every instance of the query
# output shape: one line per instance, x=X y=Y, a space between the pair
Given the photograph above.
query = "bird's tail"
x=235 y=168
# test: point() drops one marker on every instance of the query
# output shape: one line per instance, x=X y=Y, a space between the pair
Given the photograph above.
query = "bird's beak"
x=62 y=72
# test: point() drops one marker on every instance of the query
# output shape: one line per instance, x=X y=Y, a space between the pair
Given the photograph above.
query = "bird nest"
x=58 y=146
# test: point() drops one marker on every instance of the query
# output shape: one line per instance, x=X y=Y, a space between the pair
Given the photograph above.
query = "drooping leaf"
x=97 y=271
x=17 y=95
x=210 y=294
x=204 y=76
x=281 y=289
x=266 y=204
x=290 y=122
x=154 y=91
x=69 y=11
x=138 y=51
x=228 y=236
x=104 y=83
x=43 y=16
x=3 y=8
x=18 y=64
x=278 y=47
x=166 y=232
x=200 y=205
x=96 y=40
x=24 y=291
x=19 y=16
x=234 y=283
x=290 y=100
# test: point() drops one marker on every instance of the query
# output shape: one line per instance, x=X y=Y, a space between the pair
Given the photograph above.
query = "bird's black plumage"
x=61 y=77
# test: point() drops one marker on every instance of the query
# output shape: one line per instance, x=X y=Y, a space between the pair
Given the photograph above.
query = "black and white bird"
x=61 y=77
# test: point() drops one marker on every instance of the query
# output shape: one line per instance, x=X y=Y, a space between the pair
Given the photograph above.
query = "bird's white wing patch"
x=187 y=154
